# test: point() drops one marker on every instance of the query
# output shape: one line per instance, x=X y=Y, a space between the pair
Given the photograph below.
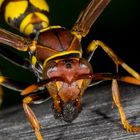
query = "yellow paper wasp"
x=56 y=59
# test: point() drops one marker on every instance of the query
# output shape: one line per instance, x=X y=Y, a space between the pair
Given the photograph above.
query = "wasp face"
x=67 y=93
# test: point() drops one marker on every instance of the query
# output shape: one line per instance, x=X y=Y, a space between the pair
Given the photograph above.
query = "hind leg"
x=117 y=102
x=118 y=61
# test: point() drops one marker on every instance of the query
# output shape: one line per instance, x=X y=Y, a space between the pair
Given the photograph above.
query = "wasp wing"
x=88 y=16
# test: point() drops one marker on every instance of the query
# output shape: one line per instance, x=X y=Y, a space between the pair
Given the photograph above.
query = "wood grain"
x=97 y=121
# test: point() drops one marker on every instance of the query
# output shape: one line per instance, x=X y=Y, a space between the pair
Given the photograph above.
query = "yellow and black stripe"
x=28 y=16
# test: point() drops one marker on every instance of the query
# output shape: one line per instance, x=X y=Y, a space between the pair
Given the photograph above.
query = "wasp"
x=56 y=58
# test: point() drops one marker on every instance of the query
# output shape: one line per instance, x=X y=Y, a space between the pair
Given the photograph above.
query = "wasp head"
x=68 y=92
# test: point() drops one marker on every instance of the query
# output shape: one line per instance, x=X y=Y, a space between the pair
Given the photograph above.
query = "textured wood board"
x=97 y=121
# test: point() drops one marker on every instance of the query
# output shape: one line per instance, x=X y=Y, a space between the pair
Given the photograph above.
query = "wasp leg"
x=12 y=84
x=109 y=76
x=23 y=63
x=42 y=83
x=117 y=102
x=96 y=43
x=14 y=58
x=15 y=41
x=31 y=116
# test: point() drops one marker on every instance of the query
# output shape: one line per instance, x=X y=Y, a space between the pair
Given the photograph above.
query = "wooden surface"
x=97 y=121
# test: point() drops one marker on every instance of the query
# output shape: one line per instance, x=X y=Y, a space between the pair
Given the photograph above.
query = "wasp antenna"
x=88 y=17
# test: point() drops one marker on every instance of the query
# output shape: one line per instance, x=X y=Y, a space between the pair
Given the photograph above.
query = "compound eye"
x=82 y=65
x=52 y=68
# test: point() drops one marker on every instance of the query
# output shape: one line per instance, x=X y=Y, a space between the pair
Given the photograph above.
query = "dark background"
x=118 y=27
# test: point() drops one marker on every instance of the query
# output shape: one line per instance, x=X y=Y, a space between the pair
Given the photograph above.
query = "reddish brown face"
x=69 y=70
x=70 y=89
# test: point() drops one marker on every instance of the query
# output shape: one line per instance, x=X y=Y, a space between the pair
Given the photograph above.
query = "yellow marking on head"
x=1 y=1
x=14 y=9
x=26 y=25
x=41 y=4
x=61 y=54
x=62 y=58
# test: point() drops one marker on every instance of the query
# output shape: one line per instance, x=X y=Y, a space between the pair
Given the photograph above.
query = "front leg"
x=31 y=116
x=117 y=102
x=11 y=84
x=17 y=42
x=96 y=43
